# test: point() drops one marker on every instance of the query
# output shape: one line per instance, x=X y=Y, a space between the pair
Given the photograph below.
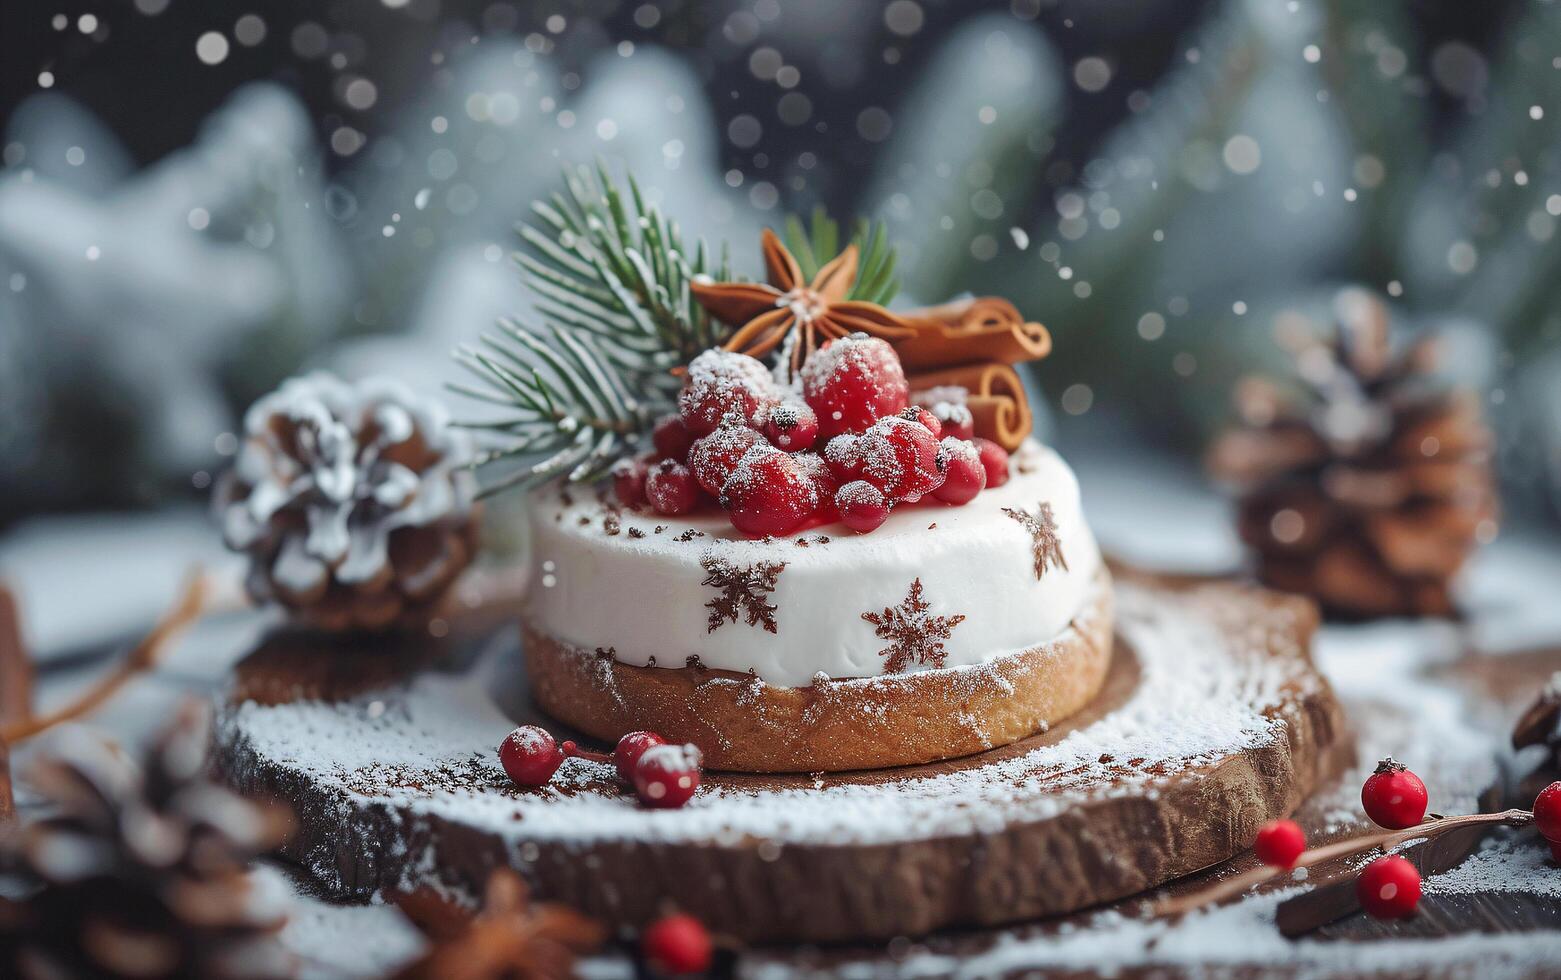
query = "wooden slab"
x=1213 y=721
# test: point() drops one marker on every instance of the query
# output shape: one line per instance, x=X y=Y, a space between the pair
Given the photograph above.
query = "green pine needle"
x=610 y=276
x=815 y=243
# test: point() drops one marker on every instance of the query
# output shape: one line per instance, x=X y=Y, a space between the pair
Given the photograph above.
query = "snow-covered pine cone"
x=354 y=502
x=140 y=871
x=1367 y=484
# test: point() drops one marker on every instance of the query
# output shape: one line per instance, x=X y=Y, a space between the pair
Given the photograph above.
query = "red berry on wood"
x=724 y=383
x=1279 y=843
x=768 y=493
x=677 y=944
x=530 y=755
x=671 y=437
x=1389 y=888
x=1393 y=797
x=1547 y=812
x=853 y=381
x=963 y=474
x=862 y=506
x=791 y=426
x=995 y=459
x=666 y=776
x=629 y=749
x=670 y=488
x=715 y=456
x=628 y=481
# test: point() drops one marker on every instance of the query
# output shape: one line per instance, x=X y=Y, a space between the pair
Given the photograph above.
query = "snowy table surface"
x=1439 y=696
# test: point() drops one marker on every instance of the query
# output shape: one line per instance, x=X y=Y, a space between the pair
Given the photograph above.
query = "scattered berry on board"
x=530 y=755
x=677 y=945
x=666 y=776
x=1279 y=843
x=1388 y=888
x=1393 y=797
x=1547 y=814
x=629 y=749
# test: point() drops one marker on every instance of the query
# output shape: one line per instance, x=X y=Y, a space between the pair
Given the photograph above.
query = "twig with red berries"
x=1388 y=887
x=664 y=776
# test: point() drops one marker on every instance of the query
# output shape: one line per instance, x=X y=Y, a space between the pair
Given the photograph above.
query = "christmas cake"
x=814 y=570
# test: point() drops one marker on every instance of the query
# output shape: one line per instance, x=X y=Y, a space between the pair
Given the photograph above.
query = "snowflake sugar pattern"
x=1045 y=543
x=914 y=636
x=743 y=592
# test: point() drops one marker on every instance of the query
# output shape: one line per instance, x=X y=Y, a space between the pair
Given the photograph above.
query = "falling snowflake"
x=1045 y=545
x=914 y=636
x=743 y=592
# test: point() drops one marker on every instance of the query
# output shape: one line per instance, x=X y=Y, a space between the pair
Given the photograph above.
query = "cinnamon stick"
x=996 y=400
x=984 y=329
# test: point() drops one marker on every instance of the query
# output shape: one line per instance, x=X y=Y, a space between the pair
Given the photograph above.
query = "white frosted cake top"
x=665 y=590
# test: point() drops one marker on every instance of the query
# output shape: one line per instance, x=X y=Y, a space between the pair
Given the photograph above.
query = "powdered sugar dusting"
x=431 y=756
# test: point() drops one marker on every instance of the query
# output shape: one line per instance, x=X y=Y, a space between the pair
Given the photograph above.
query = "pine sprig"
x=818 y=241
x=610 y=275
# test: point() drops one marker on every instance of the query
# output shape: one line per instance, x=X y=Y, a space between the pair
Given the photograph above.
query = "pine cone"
x=1369 y=487
x=140 y=873
x=354 y=502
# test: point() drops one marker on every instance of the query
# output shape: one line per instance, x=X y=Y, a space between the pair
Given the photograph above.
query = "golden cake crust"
x=742 y=723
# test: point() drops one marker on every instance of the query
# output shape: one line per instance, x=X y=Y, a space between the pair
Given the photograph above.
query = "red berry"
x=900 y=458
x=530 y=755
x=862 y=506
x=670 y=488
x=823 y=479
x=671 y=438
x=1393 y=797
x=722 y=383
x=995 y=459
x=791 y=426
x=628 y=481
x=629 y=749
x=1389 y=888
x=955 y=418
x=677 y=944
x=768 y=493
x=715 y=456
x=925 y=418
x=666 y=776
x=1279 y=843
x=851 y=382
x=1547 y=812
x=963 y=474
x=841 y=455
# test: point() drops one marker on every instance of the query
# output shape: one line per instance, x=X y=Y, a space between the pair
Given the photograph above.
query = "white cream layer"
x=643 y=597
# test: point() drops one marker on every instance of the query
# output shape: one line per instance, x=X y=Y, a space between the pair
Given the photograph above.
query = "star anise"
x=1045 y=545
x=914 y=636
x=766 y=314
x=743 y=592
x=510 y=938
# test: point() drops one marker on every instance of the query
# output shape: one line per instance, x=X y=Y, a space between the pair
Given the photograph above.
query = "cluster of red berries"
x=845 y=444
x=1394 y=798
x=664 y=776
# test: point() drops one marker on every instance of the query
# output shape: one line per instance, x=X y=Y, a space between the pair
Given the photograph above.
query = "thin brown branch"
x=1230 y=887
x=141 y=658
x=16 y=671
